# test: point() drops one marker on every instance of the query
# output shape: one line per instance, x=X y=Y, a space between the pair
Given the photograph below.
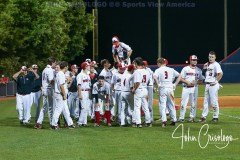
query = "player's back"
x=165 y=76
x=47 y=77
x=142 y=76
x=126 y=82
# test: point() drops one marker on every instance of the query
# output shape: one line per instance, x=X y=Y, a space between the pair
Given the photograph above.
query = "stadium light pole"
x=95 y=32
x=225 y=29
x=159 y=30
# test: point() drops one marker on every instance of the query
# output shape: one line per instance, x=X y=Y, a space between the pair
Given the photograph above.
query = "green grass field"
x=104 y=143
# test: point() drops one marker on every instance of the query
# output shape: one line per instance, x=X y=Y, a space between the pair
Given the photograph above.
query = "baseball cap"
x=24 y=68
x=193 y=57
x=74 y=66
x=115 y=39
x=88 y=60
x=34 y=66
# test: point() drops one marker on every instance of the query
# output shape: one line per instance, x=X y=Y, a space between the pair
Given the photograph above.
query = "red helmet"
x=84 y=65
x=130 y=67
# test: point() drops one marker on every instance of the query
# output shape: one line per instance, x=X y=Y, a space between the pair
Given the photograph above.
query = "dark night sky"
x=185 y=30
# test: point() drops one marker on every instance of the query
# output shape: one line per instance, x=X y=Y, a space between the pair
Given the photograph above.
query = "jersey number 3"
x=166 y=75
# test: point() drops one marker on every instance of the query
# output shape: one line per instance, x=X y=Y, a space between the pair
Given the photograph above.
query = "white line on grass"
x=235 y=117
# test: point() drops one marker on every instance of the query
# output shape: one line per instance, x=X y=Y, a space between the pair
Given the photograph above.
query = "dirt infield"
x=224 y=101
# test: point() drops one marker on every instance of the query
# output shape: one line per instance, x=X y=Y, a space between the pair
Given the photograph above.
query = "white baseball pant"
x=211 y=99
x=140 y=98
x=61 y=107
x=150 y=101
x=189 y=94
x=23 y=106
x=118 y=103
x=85 y=106
x=167 y=101
x=48 y=105
x=73 y=103
x=36 y=99
x=127 y=114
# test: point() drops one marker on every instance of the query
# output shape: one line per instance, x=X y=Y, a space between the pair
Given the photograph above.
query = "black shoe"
x=181 y=120
x=139 y=126
x=215 y=120
x=148 y=124
x=21 y=121
x=164 y=124
x=173 y=124
x=203 y=120
x=71 y=127
x=55 y=127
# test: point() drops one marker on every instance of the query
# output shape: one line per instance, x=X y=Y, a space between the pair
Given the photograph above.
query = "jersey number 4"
x=144 y=79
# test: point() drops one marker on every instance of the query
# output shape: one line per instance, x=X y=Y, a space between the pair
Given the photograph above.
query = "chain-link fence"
x=8 y=89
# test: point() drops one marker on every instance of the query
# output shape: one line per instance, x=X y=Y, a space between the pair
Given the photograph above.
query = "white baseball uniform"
x=116 y=82
x=211 y=90
x=84 y=82
x=140 y=97
x=165 y=76
x=73 y=100
x=192 y=75
x=127 y=108
x=61 y=105
x=47 y=92
x=150 y=92
x=107 y=74
x=101 y=92
x=121 y=52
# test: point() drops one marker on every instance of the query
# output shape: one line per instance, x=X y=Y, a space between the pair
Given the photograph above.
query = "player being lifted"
x=121 y=52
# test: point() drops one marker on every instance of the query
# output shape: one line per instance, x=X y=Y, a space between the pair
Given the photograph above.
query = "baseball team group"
x=122 y=93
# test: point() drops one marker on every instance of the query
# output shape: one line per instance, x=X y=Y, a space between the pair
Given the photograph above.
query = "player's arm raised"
x=15 y=76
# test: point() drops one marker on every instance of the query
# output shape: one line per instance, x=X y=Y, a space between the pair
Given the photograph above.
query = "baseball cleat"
x=109 y=125
x=55 y=128
x=134 y=125
x=139 y=126
x=173 y=124
x=164 y=124
x=96 y=125
x=148 y=125
x=181 y=120
x=71 y=127
x=38 y=126
x=215 y=120
x=191 y=120
x=21 y=121
x=203 y=120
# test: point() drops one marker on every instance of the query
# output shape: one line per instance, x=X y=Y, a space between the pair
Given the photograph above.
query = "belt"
x=126 y=91
x=23 y=94
x=188 y=86
x=150 y=85
x=86 y=90
x=117 y=90
x=211 y=83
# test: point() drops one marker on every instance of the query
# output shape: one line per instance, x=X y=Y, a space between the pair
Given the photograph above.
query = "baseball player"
x=191 y=77
x=150 y=89
x=213 y=74
x=73 y=101
x=24 y=79
x=101 y=99
x=116 y=87
x=84 y=90
x=107 y=74
x=94 y=78
x=127 y=107
x=141 y=79
x=121 y=51
x=61 y=98
x=36 y=92
x=47 y=92
x=164 y=77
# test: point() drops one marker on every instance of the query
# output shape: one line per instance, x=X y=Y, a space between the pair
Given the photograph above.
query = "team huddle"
x=122 y=93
